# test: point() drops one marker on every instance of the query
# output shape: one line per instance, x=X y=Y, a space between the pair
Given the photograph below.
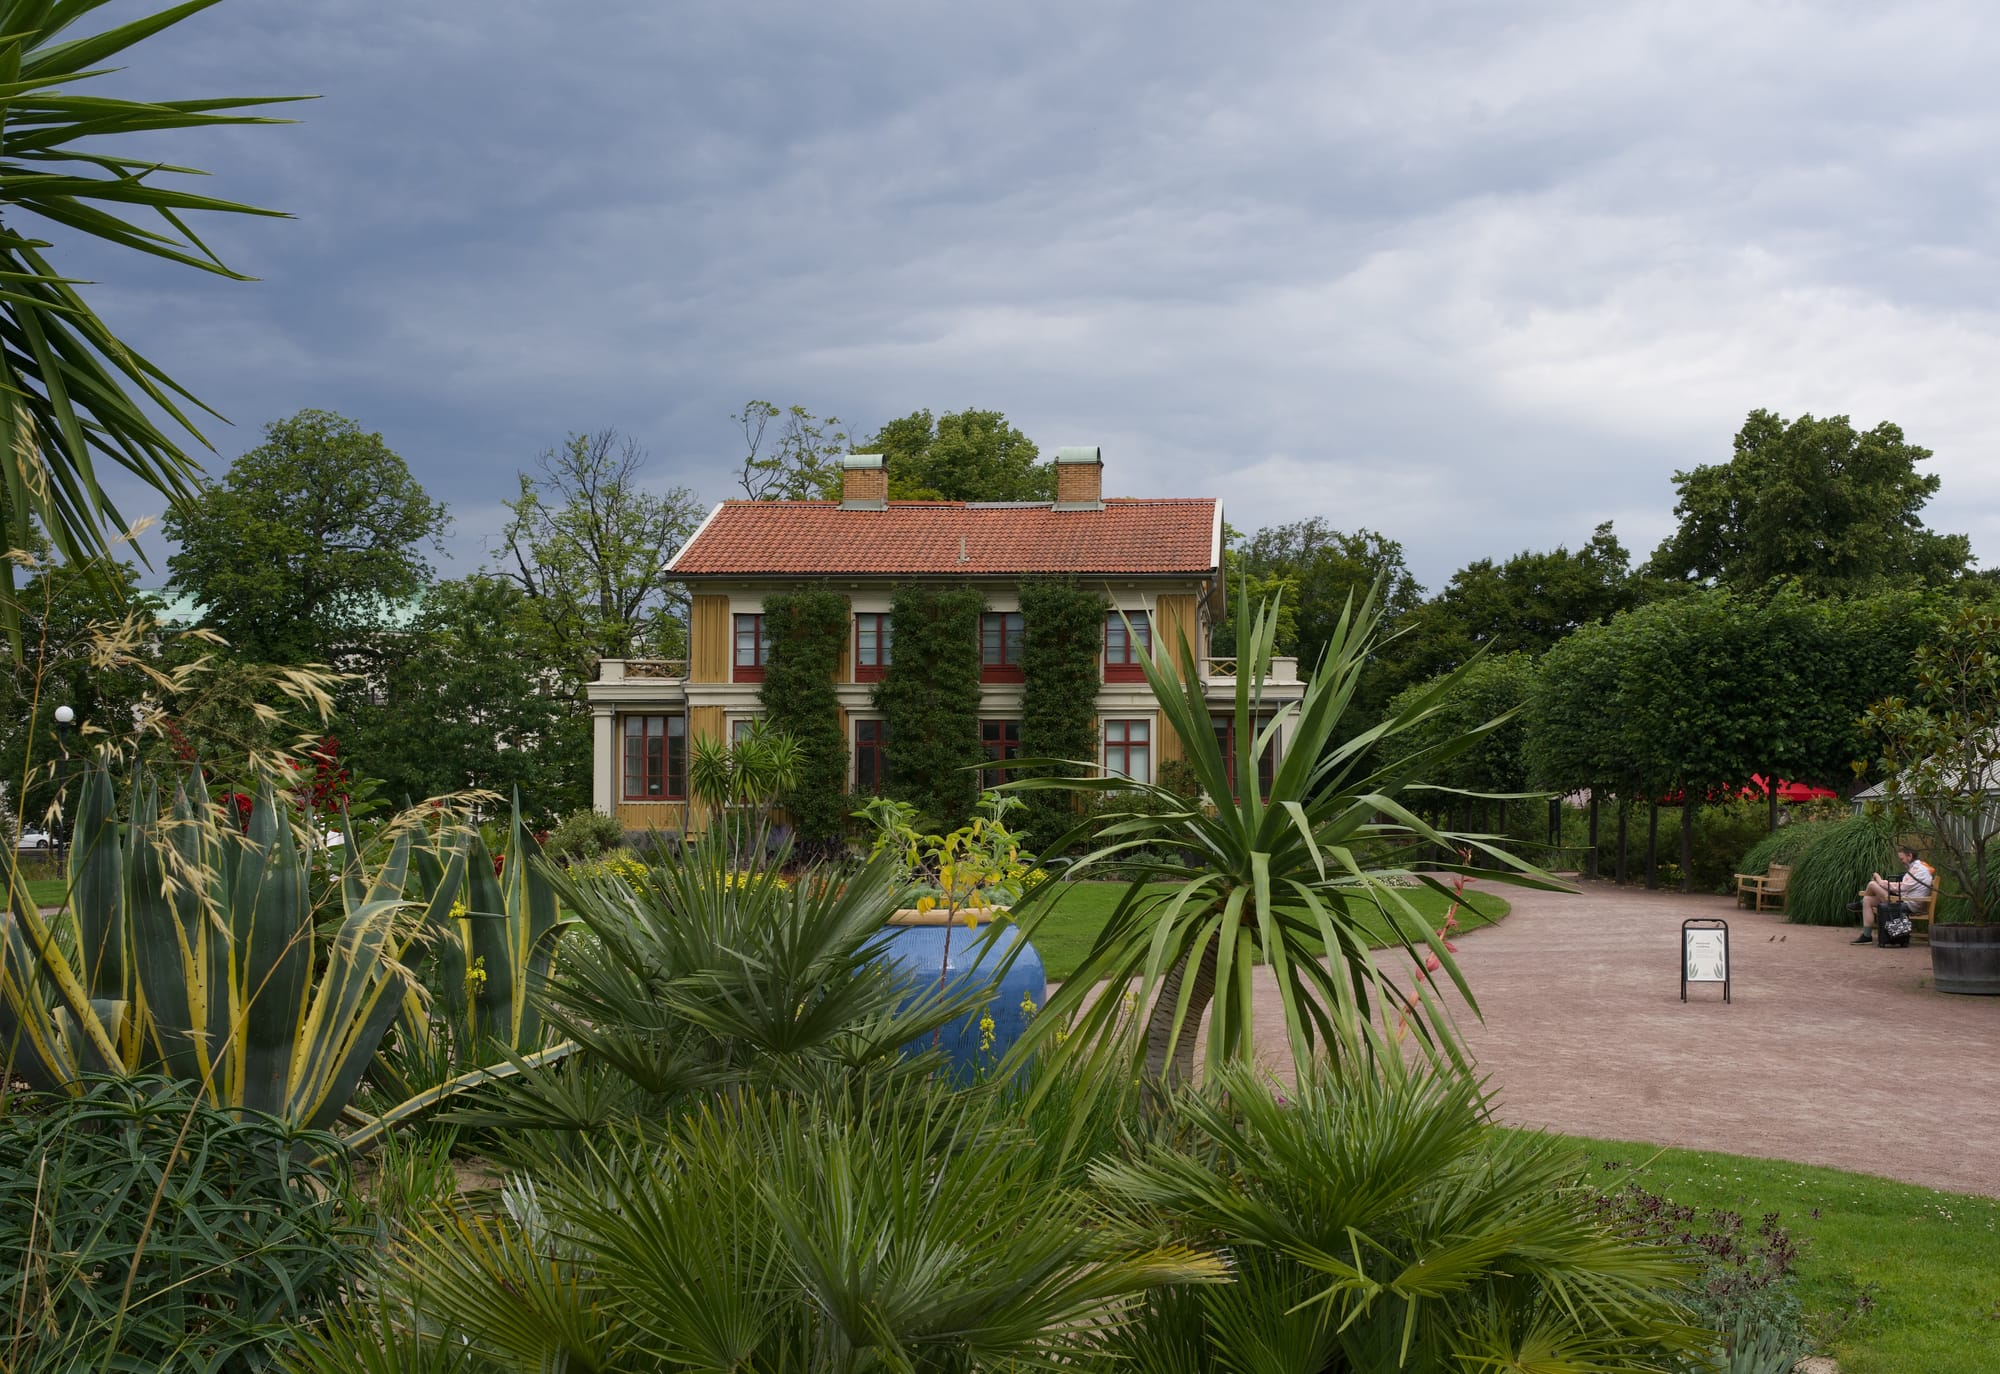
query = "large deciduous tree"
x=75 y=392
x=588 y=545
x=464 y=707
x=310 y=546
x=966 y=455
x=800 y=461
x=1812 y=499
x=1526 y=603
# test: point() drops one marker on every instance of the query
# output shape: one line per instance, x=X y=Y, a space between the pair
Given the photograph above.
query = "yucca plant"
x=73 y=391
x=189 y=948
x=908 y=1230
x=1236 y=878
x=1377 y=1221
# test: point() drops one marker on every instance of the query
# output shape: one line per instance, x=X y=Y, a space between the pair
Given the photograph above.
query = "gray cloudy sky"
x=1478 y=275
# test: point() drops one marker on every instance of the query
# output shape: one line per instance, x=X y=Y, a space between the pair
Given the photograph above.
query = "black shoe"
x=1854 y=905
x=1865 y=938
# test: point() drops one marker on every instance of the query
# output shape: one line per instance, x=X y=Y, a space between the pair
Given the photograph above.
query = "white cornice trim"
x=693 y=537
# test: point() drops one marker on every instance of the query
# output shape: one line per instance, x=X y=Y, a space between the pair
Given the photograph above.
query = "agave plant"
x=911 y=1230
x=488 y=955
x=190 y=949
x=1284 y=878
x=72 y=388
x=1377 y=1221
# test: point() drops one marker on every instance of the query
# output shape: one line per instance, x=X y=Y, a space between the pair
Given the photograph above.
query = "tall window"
x=1122 y=650
x=873 y=639
x=1128 y=748
x=1225 y=739
x=741 y=729
x=1000 y=635
x=870 y=761
x=1001 y=739
x=655 y=758
x=753 y=647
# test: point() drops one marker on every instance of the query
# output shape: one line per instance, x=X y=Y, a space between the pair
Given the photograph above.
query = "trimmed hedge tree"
x=929 y=701
x=808 y=632
x=1064 y=631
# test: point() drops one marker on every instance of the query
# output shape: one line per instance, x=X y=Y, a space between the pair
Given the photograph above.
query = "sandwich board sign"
x=1704 y=953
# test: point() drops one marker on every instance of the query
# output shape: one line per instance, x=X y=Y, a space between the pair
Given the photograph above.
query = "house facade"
x=1158 y=562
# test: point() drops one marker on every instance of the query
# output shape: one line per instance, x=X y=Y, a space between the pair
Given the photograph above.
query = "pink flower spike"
x=1431 y=964
x=1450 y=948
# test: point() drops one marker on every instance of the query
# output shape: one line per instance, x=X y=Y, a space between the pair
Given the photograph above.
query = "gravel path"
x=1831 y=1053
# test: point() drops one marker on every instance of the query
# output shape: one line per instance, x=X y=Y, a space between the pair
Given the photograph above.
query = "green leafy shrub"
x=1785 y=845
x=808 y=631
x=1064 y=624
x=583 y=834
x=137 y=1219
x=929 y=700
x=1836 y=867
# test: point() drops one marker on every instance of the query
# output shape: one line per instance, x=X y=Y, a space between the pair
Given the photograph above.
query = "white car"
x=34 y=837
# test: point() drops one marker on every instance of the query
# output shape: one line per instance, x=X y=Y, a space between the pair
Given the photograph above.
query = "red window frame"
x=871 y=758
x=873 y=634
x=999 y=740
x=1267 y=762
x=1001 y=635
x=750 y=669
x=1124 y=652
x=1126 y=741
x=654 y=757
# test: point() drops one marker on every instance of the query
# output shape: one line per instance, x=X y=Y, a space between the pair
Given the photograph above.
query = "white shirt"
x=1918 y=880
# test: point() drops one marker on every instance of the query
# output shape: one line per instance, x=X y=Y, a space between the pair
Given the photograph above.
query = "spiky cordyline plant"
x=1280 y=879
x=69 y=388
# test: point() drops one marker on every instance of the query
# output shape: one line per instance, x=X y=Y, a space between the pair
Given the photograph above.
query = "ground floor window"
x=655 y=758
x=1001 y=740
x=1225 y=739
x=870 y=740
x=1128 y=748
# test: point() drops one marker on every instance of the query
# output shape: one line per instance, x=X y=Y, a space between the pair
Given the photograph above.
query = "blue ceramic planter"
x=973 y=1049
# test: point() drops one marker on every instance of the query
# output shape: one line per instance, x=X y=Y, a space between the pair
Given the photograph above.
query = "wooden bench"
x=1920 y=918
x=1762 y=887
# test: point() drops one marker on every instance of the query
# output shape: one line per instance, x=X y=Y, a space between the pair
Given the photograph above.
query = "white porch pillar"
x=603 y=760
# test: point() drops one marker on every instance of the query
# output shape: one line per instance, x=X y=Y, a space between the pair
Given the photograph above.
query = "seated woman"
x=1919 y=880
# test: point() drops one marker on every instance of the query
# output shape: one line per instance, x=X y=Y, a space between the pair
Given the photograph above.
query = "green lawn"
x=46 y=891
x=1928 y=1262
x=1071 y=926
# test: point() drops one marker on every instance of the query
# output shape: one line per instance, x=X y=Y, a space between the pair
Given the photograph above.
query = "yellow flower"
x=986 y=1032
x=1028 y=1007
x=925 y=905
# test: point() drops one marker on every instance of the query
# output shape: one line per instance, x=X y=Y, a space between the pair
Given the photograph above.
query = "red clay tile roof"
x=952 y=537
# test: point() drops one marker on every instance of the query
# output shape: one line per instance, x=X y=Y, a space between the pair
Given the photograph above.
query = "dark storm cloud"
x=1478 y=276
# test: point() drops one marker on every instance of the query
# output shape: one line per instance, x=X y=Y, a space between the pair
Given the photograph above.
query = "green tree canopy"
x=307 y=547
x=799 y=461
x=464 y=707
x=1811 y=499
x=1473 y=699
x=1526 y=603
x=588 y=546
x=966 y=455
x=1313 y=571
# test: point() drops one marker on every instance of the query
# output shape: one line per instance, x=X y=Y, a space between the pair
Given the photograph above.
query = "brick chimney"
x=864 y=482
x=1080 y=478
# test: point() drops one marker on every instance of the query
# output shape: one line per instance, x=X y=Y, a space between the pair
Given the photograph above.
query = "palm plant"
x=706 y=978
x=1282 y=878
x=1376 y=1221
x=72 y=388
x=910 y=1230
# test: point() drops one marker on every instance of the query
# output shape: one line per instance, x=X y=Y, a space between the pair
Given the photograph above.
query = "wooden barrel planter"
x=1966 y=959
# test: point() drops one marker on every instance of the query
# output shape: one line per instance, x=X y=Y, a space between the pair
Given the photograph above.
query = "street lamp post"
x=65 y=722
